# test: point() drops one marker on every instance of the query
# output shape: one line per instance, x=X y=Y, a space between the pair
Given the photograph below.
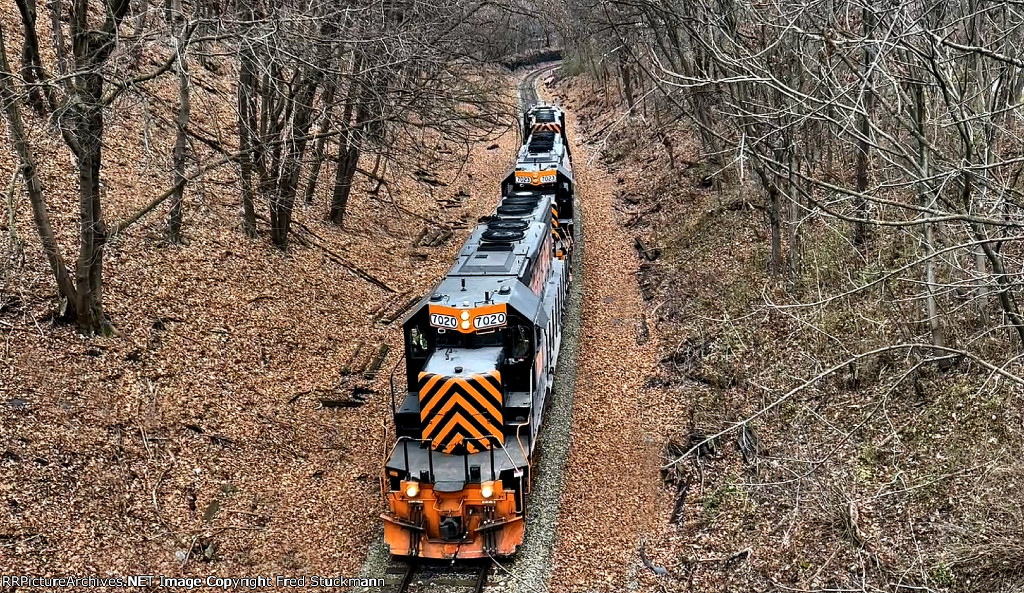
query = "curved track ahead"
x=528 y=86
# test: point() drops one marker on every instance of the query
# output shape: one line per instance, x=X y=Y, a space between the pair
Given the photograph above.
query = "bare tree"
x=180 y=148
x=399 y=73
x=79 y=100
x=58 y=267
x=818 y=91
x=370 y=72
x=887 y=136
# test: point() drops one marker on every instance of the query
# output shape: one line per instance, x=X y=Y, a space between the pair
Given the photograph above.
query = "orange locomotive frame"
x=494 y=522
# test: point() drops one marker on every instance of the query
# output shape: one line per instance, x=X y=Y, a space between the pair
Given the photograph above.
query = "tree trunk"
x=246 y=129
x=348 y=158
x=31 y=65
x=988 y=141
x=58 y=268
x=773 y=219
x=981 y=288
x=57 y=32
x=925 y=201
x=91 y=49
x=184 y=106
x=862 y=230
x=318 y=146
x=273 y=102
x=1006 y=299
x=291 y=166
x=348 y=146
x=627 y=84
x=794 y=216
x=92 y=230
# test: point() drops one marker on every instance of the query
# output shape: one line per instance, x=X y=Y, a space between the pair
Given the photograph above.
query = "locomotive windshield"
x=452 y=339
x=542 y=158
x=516 y=338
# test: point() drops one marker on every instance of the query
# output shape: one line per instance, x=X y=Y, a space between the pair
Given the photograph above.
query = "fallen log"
x=649 y=253
x=347 y=369
x=390 y=318
x=440 y=238
x=378 y=360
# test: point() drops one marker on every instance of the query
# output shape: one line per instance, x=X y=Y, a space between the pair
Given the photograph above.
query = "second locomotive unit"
x=480 y=355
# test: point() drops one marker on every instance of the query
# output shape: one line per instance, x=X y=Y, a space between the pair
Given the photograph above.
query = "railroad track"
x=528 y=87
x=421 y=577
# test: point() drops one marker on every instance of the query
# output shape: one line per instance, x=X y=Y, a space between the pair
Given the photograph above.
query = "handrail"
x=405 y=440
x=391 y=380
x=533 y=367
x=519 y=440
x=384 y=463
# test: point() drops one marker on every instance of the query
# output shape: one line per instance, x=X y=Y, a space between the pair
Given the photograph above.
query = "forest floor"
x=612 y=470
x=884 y=476
x=237 y=423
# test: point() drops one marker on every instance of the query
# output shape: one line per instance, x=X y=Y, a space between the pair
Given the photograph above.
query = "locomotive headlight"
x=412 y=489
x=487 y=490
x=465 y=315
x=465 y=324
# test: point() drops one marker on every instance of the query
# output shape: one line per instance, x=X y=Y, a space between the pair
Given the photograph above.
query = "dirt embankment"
x=612 y=471
x=219 y=432
x=883 y=476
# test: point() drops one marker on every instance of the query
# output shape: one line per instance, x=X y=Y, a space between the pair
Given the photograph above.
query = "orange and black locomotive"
x=480 y=356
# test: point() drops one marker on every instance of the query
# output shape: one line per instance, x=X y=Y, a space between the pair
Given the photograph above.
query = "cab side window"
x=418 y=342
x=520 y=342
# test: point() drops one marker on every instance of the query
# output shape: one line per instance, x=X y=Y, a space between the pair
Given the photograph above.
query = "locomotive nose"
x=476 y=521
x=462 y=405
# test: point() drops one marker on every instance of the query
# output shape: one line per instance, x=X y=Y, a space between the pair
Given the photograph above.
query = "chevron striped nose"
x=461 y=414
x=547 y=127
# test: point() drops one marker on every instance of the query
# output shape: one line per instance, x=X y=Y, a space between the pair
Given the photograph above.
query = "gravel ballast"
x=529 y=570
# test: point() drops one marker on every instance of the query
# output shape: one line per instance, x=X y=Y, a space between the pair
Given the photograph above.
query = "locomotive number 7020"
x=489 y=320
x=442 y=320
